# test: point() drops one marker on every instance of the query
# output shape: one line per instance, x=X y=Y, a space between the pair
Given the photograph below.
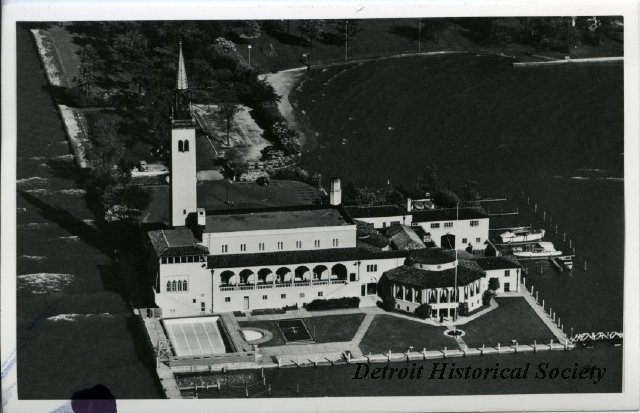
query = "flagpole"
x=455 y=282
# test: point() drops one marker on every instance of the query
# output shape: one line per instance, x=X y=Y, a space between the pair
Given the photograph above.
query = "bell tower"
x=183 y=151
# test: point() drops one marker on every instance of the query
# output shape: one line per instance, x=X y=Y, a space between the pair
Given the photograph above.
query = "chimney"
x=409 y=204
x=335 y=195
x=202 y=217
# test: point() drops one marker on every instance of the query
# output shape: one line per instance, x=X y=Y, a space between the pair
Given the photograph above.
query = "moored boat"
x=522 y=234
x=555 y=261
x=537 y=250
x=566 y=261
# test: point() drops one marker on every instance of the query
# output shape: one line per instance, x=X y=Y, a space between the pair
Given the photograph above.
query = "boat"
x=536 y=250
x=555 y=261
x=566 y=261
x=522 y=234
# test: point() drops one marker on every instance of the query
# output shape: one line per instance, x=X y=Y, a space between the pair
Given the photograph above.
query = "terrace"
x=283 y=277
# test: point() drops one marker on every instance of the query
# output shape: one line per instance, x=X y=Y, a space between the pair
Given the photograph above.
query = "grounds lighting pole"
x=346 y=40
x=249 y=49
x=419 y=32
x=455 y=280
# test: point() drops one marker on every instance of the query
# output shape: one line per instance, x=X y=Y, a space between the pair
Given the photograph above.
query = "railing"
x=280 y=285
x=263 y=286
x=302 y=284
x=283 y=285
x=227 y=288
x=247 y=287
x=338 y=281
x=320 y=283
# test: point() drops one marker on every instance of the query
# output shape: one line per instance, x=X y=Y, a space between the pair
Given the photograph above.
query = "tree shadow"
x=286 y=38
x=87 y=233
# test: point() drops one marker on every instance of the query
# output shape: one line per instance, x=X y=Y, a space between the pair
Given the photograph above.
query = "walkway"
x=544 y=316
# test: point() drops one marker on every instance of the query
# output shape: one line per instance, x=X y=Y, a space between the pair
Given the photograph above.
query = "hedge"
x=333 y=303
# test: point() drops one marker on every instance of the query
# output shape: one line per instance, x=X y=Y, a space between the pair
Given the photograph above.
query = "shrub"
x=333 y=303
x=494 y=284
x=388 y=303
x=487 y=296
x=446 y=199
x=463 y=309
x=423 y=311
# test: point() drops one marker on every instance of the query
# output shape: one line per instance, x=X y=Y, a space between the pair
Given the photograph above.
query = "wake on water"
x=74 y=317
x=44 y=282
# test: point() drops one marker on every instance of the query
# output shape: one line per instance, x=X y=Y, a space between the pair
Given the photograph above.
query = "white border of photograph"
x=14 y=11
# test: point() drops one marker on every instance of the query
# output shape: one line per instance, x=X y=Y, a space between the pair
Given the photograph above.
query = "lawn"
x=514 y=319
x=326 y=329
x=397 y=334
x=334 y=328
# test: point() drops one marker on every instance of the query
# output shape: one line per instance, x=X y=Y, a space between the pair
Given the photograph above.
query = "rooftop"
x=467 y=273
x=375 y=211
x=448 y=214
x=299 y=257
x=175 y=242
x=306 y=216
x=497 y=263
x=432 y=256
x=404 y=237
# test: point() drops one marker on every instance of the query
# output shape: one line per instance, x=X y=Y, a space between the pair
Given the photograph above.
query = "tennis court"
x=197 y=336
x=294 y=330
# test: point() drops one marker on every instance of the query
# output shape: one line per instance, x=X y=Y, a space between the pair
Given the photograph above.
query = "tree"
x=312 y=29
x=423 y=310
x=87 y=70
x=228 y=110
x=106 y=148
x=250 y=29
x=446 y=198
x=494 y=283
x=284 y=137
x=428 y=181
x=367 y=196
x=132 y=48
x=487 y=296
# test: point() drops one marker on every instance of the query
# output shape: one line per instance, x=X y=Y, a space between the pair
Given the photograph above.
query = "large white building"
x=235 y=260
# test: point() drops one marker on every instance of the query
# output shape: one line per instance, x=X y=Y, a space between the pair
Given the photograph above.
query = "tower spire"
x=181 y=79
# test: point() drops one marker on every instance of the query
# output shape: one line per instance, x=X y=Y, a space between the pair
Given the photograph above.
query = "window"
x=474 y=223
x=190 y=258
x=184 y=286
x=335 y=242
x=183 y=259
x=316 y=243
x=298 y=244
x=180 y=146
x=184 y=212
x=168 y=286
x=202 y=306
x=186 y=146
x=320 y=293
x=163 y=260
x=283 y=296
x=448 y=224
x=170 y=260
x=372 y=267
x=227 y=299
x=507 y=273
x=225 y=248
x=478 y=240
x=243 y=247
x=464 y=240
x=261 y=246
x=435 y=225
x=280 y=245
x=264 y=297
x=301 y=295
x=179 y=285
x=194 y=300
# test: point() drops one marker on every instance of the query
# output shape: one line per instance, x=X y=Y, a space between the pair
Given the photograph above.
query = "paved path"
x=544 y=316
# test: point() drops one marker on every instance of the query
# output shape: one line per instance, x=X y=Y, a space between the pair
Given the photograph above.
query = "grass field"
x=514 y=319
x=477 y=111
x=397 y=334
x=325 y=329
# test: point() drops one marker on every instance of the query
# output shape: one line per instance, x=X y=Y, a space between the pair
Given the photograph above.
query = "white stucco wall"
x=462 y=229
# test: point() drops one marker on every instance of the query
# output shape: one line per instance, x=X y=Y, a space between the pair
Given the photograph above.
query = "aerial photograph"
x=236 y=209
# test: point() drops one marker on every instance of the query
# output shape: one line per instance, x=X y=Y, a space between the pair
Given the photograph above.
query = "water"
x=74 y=331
